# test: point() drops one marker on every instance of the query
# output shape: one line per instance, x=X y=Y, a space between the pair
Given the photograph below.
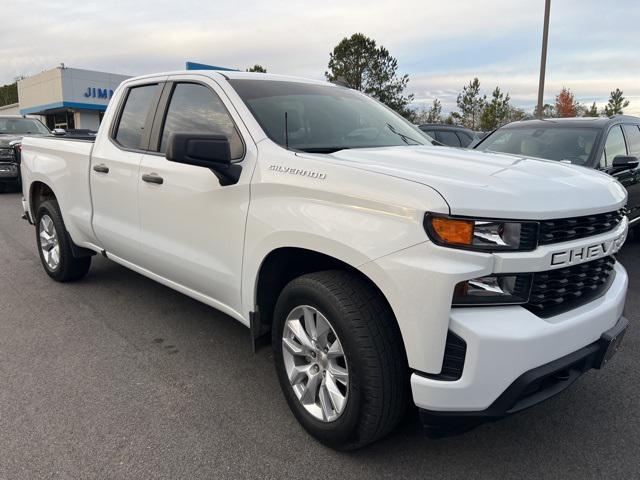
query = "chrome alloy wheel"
x=315 y=363
x=49 y=243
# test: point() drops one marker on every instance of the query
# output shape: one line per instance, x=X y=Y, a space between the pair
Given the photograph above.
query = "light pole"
x=543 y=58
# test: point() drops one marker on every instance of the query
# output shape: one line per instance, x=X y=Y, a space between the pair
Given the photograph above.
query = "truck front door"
x=192 y=227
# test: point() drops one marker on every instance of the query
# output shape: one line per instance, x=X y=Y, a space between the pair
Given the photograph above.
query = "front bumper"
x=532 y=387
x=9 y=172
x=505 y=342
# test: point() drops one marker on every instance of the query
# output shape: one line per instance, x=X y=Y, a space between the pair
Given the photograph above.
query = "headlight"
x=7 y=155
x=493 y=290
x=484 y=235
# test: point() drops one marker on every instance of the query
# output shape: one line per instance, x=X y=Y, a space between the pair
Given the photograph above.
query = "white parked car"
x=383 y=269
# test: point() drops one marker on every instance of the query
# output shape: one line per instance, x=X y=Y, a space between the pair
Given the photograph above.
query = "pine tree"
x=454 y=118
x=471 y=104
x=515 y=114
x=433 y=114
x=548 y=111
x=257 y=68
x=496 y=112
x=592 y=111
x=616 y=103
x=365 y=66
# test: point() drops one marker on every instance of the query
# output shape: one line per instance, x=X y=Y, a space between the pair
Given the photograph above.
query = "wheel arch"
x=282 y=265
x=39 y=192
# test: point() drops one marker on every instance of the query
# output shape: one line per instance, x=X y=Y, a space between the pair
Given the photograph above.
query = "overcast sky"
x=594 y=45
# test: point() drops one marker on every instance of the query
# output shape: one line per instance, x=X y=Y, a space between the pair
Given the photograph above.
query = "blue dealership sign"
x=93 y=92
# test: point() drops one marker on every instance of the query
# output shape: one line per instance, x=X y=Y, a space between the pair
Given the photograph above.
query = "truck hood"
x=492 y=184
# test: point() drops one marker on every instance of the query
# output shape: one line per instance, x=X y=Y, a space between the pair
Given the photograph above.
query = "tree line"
x=475 y=111
x=567 y=106
x=9 y=94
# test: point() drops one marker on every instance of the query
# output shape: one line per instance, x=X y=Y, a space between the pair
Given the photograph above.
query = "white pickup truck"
x=381 y=267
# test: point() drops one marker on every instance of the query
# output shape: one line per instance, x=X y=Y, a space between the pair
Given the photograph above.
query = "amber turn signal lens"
x=458 y=232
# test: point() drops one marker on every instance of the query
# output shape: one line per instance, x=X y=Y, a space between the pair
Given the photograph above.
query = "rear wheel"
x=339 y=358
x=54 y=245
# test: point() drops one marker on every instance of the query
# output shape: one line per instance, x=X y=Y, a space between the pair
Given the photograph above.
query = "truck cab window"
x=195 y=108
x=130 y=129
x=448 y=138
x=613 y=147
x=632 y=134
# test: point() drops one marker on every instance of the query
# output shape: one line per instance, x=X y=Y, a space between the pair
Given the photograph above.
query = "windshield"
x=22 y=126
x=324 y=118
x=570 y=144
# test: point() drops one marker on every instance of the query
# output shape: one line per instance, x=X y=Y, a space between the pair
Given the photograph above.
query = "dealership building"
x=72 y=98
x=69 y=98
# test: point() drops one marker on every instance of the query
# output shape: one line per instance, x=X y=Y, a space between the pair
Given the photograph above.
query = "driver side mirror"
x=625 y=162
x=209 y=151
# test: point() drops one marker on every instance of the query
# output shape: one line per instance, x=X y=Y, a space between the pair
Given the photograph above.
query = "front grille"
x=564 y=229
x=555 y=291
x=529 y=236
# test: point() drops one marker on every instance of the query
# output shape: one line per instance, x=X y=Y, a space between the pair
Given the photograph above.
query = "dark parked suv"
x=608 y=144
x=12 y=129
x=449 y=135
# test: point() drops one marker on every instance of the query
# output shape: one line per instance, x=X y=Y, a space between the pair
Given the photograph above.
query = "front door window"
x=613 y=147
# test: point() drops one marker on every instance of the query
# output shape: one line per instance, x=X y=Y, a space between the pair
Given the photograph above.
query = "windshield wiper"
x=405 y=138
x=322 y=149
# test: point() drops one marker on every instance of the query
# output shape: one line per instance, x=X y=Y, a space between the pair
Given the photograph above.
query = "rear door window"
x=465 y=138
x=448 y=138
x=140 y=103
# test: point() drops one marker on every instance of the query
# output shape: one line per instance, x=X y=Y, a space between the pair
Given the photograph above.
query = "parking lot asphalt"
x=117 y=376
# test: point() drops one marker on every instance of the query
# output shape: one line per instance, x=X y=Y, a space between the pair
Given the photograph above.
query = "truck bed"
x=73 y=136
x=62 y=162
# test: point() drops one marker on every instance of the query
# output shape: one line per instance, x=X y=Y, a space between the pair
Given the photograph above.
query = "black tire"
x=69 y=268
x=378 y=373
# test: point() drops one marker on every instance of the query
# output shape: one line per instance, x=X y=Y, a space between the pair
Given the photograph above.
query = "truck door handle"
x=152 y=178
x=102 y=168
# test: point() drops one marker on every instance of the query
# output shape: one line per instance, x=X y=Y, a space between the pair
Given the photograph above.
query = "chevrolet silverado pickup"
x=383 y=270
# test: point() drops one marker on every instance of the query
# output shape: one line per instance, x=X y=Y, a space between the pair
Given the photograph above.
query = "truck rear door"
x=114 y=172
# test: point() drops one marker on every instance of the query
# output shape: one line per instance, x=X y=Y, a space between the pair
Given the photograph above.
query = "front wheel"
x=54 y=245
x=339 y=358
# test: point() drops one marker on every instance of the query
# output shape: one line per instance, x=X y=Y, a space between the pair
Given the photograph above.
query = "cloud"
x=442 y=45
